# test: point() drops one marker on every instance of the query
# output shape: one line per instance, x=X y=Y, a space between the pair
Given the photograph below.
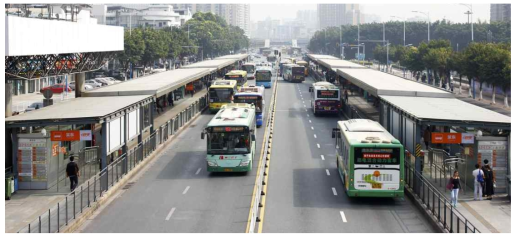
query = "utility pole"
x=358 y=41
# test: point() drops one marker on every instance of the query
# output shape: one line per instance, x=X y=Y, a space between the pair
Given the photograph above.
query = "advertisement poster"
x=31 y=152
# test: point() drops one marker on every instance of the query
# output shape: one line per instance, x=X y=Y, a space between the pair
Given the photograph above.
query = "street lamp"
x=404 y=28
x=470 y=12
x=427 y=15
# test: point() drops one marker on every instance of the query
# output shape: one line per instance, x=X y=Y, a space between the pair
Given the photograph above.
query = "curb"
x=108 y=195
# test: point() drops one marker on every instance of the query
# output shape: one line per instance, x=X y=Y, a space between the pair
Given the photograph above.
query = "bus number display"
x=376 y=155
x=328 y=93
x=227 y=129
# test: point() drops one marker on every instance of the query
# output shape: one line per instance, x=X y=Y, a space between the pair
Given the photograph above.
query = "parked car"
x=56 y=89
x=93 y=83
x=34 y=106
x=100 y=81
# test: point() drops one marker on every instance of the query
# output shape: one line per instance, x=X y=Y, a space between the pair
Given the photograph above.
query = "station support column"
x=104 y=150
x=419 y=159
x=8 y=99
x=125 y=145
x=80 y=83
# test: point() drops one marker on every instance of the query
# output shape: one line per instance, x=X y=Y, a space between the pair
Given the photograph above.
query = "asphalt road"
x=177 y=194
x=304 y=191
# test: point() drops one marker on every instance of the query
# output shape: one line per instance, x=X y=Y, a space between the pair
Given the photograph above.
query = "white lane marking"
x=310 y=121
x=305 y=107
x=318 y=145
x=305 y=110
x=312 y=128
x=315 y=136
x=328 y=173
x=198 y=171
x=186 y=190
x=322 y=157
x=334 y=191
x=170 y=214
x=343 y=216
x=307 y=115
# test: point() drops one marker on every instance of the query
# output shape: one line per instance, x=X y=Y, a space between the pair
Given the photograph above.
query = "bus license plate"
x=228 y=170
x=376 y=185
x=327 y=108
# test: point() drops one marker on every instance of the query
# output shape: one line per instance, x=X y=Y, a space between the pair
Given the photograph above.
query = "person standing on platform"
x=478 y=183
x=489 y=181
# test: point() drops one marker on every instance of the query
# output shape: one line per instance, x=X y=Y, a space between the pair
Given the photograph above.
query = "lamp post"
x=404 y=28
x=427 y=14
x=470 y=12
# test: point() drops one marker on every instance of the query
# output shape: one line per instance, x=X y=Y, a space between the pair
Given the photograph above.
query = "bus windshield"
x=220 y=95
x=263 y=76
x=327 y=94
x=249 y=68
x=229 y=143
x=250 y=99
x=377 y=156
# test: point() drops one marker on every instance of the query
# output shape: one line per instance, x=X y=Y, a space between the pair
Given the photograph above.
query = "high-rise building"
x=334 y=15
x=500 y=12
x=234 y=14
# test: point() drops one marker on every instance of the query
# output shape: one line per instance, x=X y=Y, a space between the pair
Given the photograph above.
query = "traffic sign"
x=47 y=93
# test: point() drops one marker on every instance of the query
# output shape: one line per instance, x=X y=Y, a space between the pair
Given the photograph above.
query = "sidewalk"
x=26 y=205
x=488 y=216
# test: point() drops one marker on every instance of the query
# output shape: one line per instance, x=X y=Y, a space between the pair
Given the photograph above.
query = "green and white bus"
x=370 y=160
x=231 y=139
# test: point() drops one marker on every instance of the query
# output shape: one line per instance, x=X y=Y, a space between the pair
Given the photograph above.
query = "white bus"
x=326 y=98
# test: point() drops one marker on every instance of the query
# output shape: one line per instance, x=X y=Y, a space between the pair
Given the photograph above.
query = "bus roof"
x=237 y=114
x=323 y=85
x=362 y=131
x=237 y=72
x=301 y=62
x=251 y=90
x=224 y=84
x=264 y=68
x=249 y=64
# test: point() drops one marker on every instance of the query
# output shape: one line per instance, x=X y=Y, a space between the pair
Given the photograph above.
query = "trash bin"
x=8 y=186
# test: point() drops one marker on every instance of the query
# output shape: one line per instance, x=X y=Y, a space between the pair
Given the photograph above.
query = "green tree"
x=156 y=46
x=413 y=62
x=492 y=62
x=134 y=49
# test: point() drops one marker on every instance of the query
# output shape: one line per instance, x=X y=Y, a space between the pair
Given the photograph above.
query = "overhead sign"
x=453 y=138
x=294 y=43
x=71 y=135
x=267 y=43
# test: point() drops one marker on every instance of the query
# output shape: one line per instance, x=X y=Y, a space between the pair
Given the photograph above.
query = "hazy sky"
x=452 y=12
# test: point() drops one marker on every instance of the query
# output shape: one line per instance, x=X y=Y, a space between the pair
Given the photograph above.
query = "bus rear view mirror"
x=202 y=135
x=310 y=89
x=253 y=138
x=334 y=130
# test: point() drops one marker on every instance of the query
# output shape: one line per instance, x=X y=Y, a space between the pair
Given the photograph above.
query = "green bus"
x=231 y=139
x=370 y=160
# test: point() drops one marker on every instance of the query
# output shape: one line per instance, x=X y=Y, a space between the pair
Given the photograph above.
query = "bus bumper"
x=231 y=169
x=378 y=193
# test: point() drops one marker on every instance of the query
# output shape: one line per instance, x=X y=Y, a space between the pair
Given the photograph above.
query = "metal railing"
x=436 y=202
x=89 y=192
x=439 y=166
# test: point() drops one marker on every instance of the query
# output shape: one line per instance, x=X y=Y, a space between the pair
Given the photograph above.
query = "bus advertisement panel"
x=231 y=142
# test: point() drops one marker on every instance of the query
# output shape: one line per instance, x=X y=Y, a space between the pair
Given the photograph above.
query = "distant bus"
x=263 y=76
x=252 y=95
x=239 y=76
x=326 y=98
x=282 y=63
x=271 y=58
x=221 y=93
x=305 y=65
x=370 y=161
x=250 y=69
x=231 y=142
x=293 y=73
x=266 y=52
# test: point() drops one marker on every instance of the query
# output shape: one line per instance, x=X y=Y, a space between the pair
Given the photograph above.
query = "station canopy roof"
x=446 y=109
x=78 y=110
x=316 y=57
x=236 y=57
x=334 y=64
x=156 y=84
x=380 y=83
x=215 y=63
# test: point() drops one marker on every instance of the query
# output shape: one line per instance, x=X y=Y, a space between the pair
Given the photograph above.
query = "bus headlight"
x=244 y=163
x=212 y=164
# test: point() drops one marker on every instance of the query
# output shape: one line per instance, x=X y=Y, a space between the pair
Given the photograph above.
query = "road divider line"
x=198 y=171
x=186 y=190
x=343 y=216
x=328 y=173
x=334 y=191
x=170 y=214
x=322 y=157
x=315 y=136
x=312 y=128
x=310 y=121
x=318 y=145
x=308 y=115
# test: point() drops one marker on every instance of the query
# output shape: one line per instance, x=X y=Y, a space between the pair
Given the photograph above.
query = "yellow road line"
x=266 y=134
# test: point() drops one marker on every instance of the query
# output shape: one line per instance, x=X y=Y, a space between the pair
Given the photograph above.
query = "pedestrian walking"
x=478 y=183
x=489 y=181
x=72 y=172
x=170 y=99
x=159 y=106
x=454 y=187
